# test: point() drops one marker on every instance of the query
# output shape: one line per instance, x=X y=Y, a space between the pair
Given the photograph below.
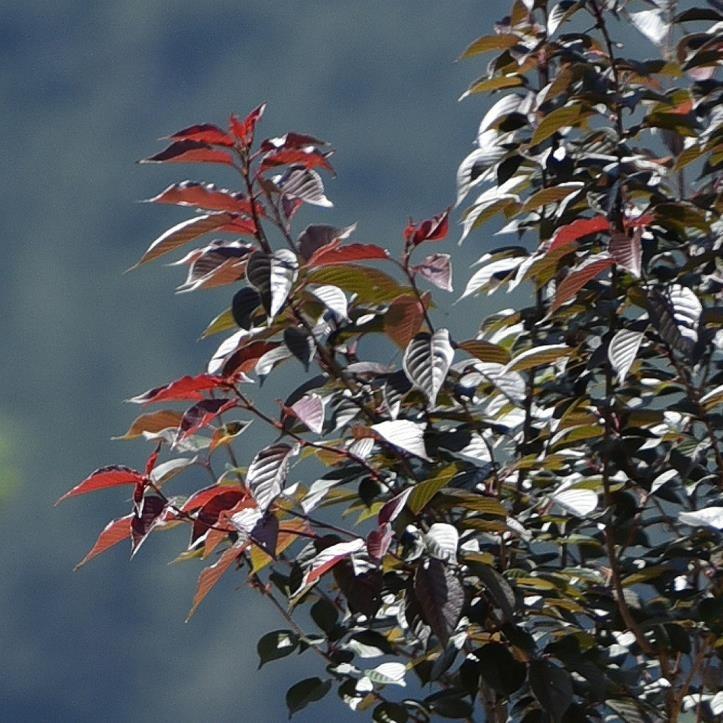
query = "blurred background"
x=88 y=88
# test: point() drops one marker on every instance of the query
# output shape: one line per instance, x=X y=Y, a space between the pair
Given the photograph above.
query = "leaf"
x=145 y=521
x=389 y=712
x=490 y=42
x=403 y=319
x=204 y=133
x=561 y=12
x=577 y=229
x=706 y=517
x=206 y=196
x=273 y=276
x=244 y=130
x=551 y=194
x=184 y=232
x=578 y=277
x=542 y=355
x=569 y=115
x=387 y=674
x=424 y=491
x=580 y=502
x=393 y=508
x=485 y=351
x=327 y=558
x=333 y=254
x=310 y=410
x=652 y=24
x=433 y=229
x=114 y=532
x=370 y=285
x=499 y=669
x=151 y=423
x=489 y=270
x=440 y=596
x=427 y=360
x=623 y=350
x=307 y=157
x=212 y=574
x=104 y=478
x=627 y=252
x=276 y=645
x=676 y=315
x=304 y=692
x=190 y=152
x=182 y=390
x=552 y=687
x=315 y=237
x=333 y=298
x=202 y=414
x=245 y=302
x=378 y=541
x=441 y=541
x=201 y=497
x=402 y=433
x=267 y=473
x=496 y=585
x=304 y=184
x=486 y=85
x=437 y=269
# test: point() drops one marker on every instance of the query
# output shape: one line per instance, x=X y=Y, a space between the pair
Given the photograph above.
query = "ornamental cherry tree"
x=524 y=525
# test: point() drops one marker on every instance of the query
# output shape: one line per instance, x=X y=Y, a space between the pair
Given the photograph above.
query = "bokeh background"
x=87 y=89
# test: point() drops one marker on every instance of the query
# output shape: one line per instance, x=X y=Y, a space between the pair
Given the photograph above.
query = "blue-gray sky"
x=88 y=89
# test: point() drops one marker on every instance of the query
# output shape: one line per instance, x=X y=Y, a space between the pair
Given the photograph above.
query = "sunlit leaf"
x=112 y=534
x=104 y=478
x=267 y=473
x=623 y=350
x=579 y=277
x=211 y=575
x=427 y=360
x=403 y=319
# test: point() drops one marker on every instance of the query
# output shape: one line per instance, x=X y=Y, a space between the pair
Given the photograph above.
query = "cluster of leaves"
x=537 y=510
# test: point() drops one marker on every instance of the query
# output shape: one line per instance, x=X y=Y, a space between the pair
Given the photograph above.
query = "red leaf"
x=311 y=158
x=335 y=254
x=644 y=220
x=378 y=541
x=244 y=130
x=627 y=251
x=211 y=575
x=329 y=557
x=577 y=229
x=393 y=507
x=202 y=414
x=206 y=196
x=208 y=514
x=103 y=478
x=184 y=389
x=201 y=497
x=433 y=229
x=114 y=532
x=403 y=319
x=204 y=133
x=578 y=277
x=244 y=360
x=291 y=141
x=190 y=152
x=186 y=231
x=146 y=520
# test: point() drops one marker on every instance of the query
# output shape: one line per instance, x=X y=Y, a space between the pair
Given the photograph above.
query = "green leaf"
x=569 y=115
x=370 y=285
x=489 y=42
x=427 y=360
x=551 y=194
x=275 y=645
x=538 y=356
x=424 y=491
x=485 y=85
x=485 y=351
x=552 y=687
x=305 y=692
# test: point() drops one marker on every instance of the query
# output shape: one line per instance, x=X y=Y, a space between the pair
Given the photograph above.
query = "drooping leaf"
x=552 y=687
x=496 y=585
x=304 y=184
x=403 y=319
x=273 y=276
x=404 y=434
x=499 y=669
x=202 y=414
x=424 y=491
x=676 y=315
x=146 y=519
x=542 y=355
x=212 y=574
x=245 y=302
x=104 y=478
x=112 y=534
x=578 y=277
x=190 y=152
x=307 y=157
x=627 y=252
x=440 y=596
x=393 y=508
x=152 y=422
x=569 y=115
x=327 y=558
x=707 y=517
x=184 y=232
x=310 y=410
x=317 y=236
x=552 y=194
x=267 y=473
x=490 y=42
x=427 y=360
x=304 y=692
x=333 y=299
x=441 y=541
x=201 y=497
x=623 y=350
x=437 y=269
x=300 y=343
x=275 y=645
x=186 y=389
x=378 y=541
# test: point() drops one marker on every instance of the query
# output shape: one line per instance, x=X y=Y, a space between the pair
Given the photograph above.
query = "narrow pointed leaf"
x=627 y=252
x=190 y=152
x=440 y=596
x=112 y=534
x=578 y=277
x=267 y=474
x=204 y=195
x=333 y=254
x=561 y=117
x=578 y=229
x=538 y=356
x=104 y=478
x=184 y=389
x=328 y=558
x=211 y=575
x=623 y=350
x=204 y=133
x=427 y=360
x=152 y=422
